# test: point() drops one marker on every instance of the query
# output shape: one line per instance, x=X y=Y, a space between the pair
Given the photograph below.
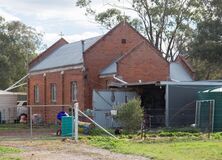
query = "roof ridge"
x=86 y=39
x=103 y=36
x=159 y=53
x=186 y=62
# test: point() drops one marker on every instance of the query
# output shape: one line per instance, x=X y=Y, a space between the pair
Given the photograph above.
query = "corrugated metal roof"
x=111 y=69
x=178 y=73
x=68 y=54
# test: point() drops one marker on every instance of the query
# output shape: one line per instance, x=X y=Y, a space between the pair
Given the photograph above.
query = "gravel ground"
x=67 y=150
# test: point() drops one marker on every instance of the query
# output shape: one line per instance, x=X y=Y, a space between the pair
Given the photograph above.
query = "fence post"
x=30 y=121
x=76 y=107
x=210 y=119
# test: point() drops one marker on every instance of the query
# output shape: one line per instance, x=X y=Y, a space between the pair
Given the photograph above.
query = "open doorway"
x=153 y=103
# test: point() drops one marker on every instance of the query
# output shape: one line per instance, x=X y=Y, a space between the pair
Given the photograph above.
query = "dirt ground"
x=66 y=150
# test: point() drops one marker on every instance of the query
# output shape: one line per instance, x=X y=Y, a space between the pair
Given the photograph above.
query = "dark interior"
x=153 y=102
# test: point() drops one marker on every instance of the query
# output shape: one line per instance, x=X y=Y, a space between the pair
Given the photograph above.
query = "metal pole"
x=9 y=88
x=76 y=106
x=213 y=115
x=167 y=106
x=30 y=122
x=209 y=119
x=98 y=125
x=72 y=114
x=199 y=109
x=196 y=114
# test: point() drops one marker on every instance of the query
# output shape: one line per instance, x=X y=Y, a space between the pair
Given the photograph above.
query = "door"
x=106 y=100
x=205 y=115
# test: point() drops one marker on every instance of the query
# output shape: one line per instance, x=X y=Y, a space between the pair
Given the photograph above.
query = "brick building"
x=66 y=72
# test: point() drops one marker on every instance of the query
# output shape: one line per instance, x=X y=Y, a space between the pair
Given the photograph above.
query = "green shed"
x=209 y=110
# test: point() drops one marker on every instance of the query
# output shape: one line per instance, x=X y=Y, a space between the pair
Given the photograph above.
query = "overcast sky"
x=52 y=17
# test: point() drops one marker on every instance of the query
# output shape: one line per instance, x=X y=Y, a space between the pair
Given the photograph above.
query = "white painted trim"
x=105 y=76
x=120 y=80
x=56 y=70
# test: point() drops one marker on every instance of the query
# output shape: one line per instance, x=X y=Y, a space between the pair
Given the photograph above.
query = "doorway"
x=153 y=103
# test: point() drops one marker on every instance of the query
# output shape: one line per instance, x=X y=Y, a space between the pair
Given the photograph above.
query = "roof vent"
x=123 y=41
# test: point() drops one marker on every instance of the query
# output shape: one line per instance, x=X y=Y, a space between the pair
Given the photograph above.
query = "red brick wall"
x=145 y=64
x=56 y=77
x=74 y=75
x=104 y=52
x=36 y=80
x=142 y=63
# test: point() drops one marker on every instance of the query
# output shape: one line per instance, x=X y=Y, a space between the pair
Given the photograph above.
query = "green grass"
x=188 y=150
x=6 y=151
x=9 y=158
x=9 y=127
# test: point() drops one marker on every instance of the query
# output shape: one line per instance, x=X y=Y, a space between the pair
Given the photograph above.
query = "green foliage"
x=168 y=23
x=9 y=158
x=4 y=150
x=184 y=129
x=205 y=49
x=217 y=136
x=205 y=69
x=183 y=150
x=18 y=44
x=104 y=141
x=99 y=132
x=11 y=127
x=130 y=115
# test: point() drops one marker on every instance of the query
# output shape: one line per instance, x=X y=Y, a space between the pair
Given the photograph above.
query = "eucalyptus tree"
x=206 y=47
x=167 y=24
x=18 y=45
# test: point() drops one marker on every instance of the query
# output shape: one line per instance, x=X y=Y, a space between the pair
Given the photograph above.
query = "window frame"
x=53 y=92
x=74 y=93
x=36 y=94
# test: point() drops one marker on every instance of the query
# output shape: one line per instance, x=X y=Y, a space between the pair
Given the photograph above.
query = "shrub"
x=130 y=115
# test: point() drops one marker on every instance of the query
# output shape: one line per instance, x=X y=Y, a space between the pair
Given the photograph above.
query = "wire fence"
x=34 y=121
x=41 y=121
x=48 y=121
x=8 y=114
